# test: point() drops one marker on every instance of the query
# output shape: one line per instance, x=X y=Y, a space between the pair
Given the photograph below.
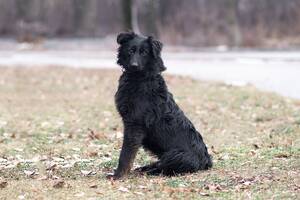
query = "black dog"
x=151 y=117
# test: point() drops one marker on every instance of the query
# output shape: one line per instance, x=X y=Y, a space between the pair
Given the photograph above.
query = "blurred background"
x=242 y=23
x=236 y=41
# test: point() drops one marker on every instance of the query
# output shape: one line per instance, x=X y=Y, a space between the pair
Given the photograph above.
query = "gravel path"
x=271 y=71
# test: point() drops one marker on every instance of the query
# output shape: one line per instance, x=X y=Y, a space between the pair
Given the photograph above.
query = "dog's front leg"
x=132 y=141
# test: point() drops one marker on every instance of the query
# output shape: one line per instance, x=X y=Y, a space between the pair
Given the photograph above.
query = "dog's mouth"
x=136 y=68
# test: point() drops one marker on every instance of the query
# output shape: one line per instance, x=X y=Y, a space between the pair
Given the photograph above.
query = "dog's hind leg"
x=152 y=169
x=146 y=167
x=176 y=162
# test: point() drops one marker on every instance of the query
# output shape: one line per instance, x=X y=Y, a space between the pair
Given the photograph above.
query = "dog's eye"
x=131 y=51
x=143 y=52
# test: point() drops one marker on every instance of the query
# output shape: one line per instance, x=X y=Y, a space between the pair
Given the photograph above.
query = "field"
x=60 y=135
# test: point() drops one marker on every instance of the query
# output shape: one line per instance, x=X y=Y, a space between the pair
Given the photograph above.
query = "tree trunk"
x=151 y=18
x=237 y=28
x=127 y=15
x=135 y=22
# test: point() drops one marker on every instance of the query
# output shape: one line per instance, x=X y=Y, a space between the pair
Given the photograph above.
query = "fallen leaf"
x=51 y=166
x=42 y=178
x=213 y=187
x=29 y=173
x=123 y=189
x=252 y=153
x=247 y=183
x=55 y=177
x=142 y=187
x=87 y=173
x=18 y=149
x=43 y=158
x=58 y=159
x=58 y=184
x=282 y=155
x=204 y=194
x=93 y=185
x=99 y=192
x=81 y=194
x=3 y=184
x=92 y=153
x=119 y=134
x=139 y=193
x=13 y=135
x=214 y=150
x=76 y=149
x=92 y=135
x=70 y=135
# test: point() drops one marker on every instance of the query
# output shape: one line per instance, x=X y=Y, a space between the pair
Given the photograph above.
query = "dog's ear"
x=125 y=37
x=156 y=46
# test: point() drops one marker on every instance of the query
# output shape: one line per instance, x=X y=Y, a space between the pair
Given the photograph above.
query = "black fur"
x=150 y=115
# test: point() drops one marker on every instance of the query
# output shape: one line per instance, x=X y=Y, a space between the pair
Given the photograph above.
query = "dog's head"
x=139 y=54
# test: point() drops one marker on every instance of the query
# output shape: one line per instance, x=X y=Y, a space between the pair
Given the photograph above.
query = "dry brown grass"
x=60 y=135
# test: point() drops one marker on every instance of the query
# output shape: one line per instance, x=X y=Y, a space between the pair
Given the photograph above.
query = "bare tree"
x=130 y=15
x=152 y=17
x=188 y=22
x=135 y=17
x=127 y=14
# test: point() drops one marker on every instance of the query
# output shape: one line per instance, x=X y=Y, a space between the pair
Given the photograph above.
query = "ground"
x=60 y=135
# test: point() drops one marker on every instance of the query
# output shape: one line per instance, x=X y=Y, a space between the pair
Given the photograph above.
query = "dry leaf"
x=42 y=178
x=51 y=166
x=76 y=149
x=204 y=194
x=252 y=153
x=81 y=194
x=29 y=173
x=247 y=183
x=282 y=155
x=99 y=192
x=142 y=187
x=93 y=185
x=58 y=159
x=3 y=184
x=123 y=189
x=92 y=153
x=92 y=135
x=87 y=172
x=214 y=150
x=119 y=134
x=139 y=193
x=19 y=149
x=58 y=184
x=43 y=158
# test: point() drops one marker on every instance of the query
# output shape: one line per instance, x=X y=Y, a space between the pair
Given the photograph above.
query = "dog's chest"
x=135 y=100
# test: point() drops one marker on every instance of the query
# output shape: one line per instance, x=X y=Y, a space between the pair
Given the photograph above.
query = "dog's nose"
x=134 y=64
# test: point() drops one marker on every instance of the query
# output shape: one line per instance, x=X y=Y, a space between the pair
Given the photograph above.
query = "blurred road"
x=268 y=70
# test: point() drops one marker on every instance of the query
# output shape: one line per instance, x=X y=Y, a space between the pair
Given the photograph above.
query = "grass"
x=60 y=135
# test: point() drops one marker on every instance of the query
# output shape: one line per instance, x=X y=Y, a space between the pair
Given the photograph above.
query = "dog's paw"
x=138 y=171
x=142 y=170
x=113 y=177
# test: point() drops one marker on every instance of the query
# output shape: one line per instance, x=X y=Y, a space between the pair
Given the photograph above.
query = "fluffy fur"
x=151 y=117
